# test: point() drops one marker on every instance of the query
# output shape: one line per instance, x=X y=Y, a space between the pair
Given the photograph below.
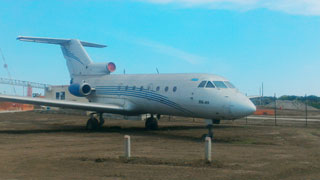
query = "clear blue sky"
x=246 y=41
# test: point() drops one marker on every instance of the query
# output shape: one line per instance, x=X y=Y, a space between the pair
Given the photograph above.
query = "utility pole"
x=262 y=89
x=260 y=94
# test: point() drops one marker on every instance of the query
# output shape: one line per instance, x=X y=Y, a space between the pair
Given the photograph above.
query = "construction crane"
x=5 y=65
x=28 y=84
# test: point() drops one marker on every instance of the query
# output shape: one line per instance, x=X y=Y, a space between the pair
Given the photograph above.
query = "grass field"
x=54 y=146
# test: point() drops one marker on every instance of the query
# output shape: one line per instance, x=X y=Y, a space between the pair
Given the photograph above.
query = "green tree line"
x=313 y=101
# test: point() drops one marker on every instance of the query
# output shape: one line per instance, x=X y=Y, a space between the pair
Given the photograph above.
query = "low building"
x=62 y=93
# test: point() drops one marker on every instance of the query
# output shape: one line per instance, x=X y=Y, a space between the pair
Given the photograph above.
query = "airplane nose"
x=242 y=106
x=250 y=107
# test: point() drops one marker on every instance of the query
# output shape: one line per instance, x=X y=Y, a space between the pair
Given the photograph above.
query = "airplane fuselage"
x=169 y=94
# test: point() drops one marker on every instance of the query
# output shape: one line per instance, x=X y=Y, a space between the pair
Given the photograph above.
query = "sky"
x=249 y=42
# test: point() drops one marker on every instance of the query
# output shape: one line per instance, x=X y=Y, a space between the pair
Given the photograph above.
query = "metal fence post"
x=306 y=103
x=208 y=150
x=127 y=147
x=275 y=109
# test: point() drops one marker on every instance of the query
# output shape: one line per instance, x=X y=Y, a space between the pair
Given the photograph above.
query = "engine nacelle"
x=100 y=68
x=80 y=90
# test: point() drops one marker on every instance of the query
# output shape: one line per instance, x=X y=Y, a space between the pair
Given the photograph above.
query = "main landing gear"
x=152 y=123
x=93 y=123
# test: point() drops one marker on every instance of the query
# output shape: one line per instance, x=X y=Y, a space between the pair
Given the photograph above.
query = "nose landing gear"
x=210 y=132
x=210 y=128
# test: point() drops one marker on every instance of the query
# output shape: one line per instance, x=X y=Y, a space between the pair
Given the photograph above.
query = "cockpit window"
x=202 y=84
x=220 y=84
x=210 y=85
x=229 y=84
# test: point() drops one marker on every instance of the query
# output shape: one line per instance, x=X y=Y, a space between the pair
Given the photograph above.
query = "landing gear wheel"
x=216 y=121
x=92 y=124
x=151 y=123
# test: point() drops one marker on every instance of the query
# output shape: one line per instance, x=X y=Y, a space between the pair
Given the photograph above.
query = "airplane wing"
x=106 y=108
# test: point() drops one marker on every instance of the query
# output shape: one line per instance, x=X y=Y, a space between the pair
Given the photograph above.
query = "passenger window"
x=158 y=88
x=210 y=85
x=174 y=89
x=202 y=84
x=229 y=84
x=220 y=84
x=166 y=89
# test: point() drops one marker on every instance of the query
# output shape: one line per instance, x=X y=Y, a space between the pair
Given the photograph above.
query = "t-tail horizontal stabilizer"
x=57 y=41
x=73 y=51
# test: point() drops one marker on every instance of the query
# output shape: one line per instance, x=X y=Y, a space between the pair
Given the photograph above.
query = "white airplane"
x=205 y=96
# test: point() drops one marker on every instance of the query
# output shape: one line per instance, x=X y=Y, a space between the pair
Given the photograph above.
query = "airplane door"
x=192 y=101
x=121 y=95
x=149 y=88
x=120 y=89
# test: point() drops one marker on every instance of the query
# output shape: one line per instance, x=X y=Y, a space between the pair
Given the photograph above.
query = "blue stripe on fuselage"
x=145 y=94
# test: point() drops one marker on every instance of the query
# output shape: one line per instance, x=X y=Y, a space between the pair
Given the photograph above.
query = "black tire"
x=215 y=121
x=92 y=124
x=151 y=124
x=203 y=137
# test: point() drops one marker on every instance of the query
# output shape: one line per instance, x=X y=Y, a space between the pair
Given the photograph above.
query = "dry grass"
x=53 y=146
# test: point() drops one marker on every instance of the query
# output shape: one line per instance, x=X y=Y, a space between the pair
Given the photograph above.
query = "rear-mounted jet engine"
x=80 y=90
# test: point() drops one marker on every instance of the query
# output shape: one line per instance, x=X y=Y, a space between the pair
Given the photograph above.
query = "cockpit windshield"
x=202 y=84
x=229 y=84
x=210 y=85
x=220 y=84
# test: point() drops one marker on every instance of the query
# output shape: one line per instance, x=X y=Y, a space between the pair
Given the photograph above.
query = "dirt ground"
x=54 y=146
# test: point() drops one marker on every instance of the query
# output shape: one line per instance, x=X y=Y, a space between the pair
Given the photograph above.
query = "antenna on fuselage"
x=157 y=70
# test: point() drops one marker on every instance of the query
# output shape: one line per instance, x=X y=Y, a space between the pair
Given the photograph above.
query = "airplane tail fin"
x=76 y=56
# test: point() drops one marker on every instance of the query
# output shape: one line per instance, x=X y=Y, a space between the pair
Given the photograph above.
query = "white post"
x=127 y=147
x=208 y=149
